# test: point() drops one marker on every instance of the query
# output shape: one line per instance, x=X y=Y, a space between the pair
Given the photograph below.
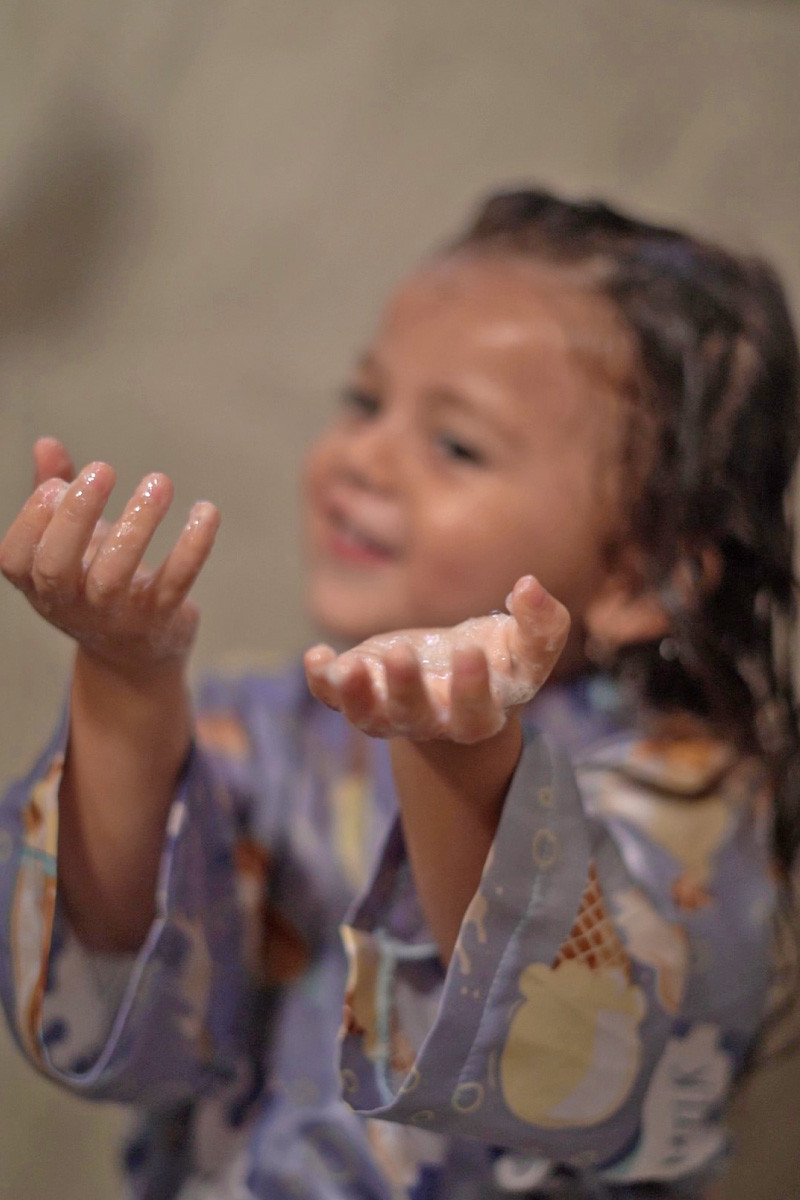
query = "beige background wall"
x=201 y=206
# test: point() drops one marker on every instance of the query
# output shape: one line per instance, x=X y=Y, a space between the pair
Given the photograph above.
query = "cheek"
x=314 y=461
x=474 y=552
x=314 y=469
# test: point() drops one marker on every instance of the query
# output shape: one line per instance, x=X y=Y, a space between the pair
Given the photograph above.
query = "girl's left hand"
x=454 y=684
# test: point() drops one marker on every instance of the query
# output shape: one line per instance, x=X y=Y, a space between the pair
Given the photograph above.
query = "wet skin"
x=471 y=449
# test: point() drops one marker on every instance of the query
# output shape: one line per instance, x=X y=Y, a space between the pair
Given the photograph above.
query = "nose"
x=372 y=454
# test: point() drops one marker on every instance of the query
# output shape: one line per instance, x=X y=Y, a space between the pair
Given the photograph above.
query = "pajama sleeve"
x=570 y=986
x=159 y=1023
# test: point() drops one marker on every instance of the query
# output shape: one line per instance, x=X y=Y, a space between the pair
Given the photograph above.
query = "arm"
x=127 y=740
x=569 y=1024
x=453 y=767
x=122 y=1025
x=121 y=810
x=562 y=1028
x=141 y=827
x=130 y=722
x=451 y=799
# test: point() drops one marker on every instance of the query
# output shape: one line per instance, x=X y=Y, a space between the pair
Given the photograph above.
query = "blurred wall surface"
x=202 y=206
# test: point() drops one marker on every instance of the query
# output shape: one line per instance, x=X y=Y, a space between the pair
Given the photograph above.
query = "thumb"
x=541 y=626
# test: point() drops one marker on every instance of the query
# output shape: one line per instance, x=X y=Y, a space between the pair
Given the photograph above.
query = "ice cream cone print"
x=573 y=1046
x=593 y=939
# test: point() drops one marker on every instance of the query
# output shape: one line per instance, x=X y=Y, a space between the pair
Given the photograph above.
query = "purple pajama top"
x=288 y=1030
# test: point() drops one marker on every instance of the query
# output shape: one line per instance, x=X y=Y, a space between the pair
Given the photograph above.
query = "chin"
x=344 y=621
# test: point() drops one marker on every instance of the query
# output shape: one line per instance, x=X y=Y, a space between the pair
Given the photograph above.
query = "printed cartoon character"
x=360 y=1017
x=403 y=1153
x=195 y=979
x=685 y=762
x=221 y=733
x=350 y=805
x=580 y=1072
x=692 y=823
x=662 y=945
x=677 y=1135
x=275 y=952
x=34 y=903
x=474 y=916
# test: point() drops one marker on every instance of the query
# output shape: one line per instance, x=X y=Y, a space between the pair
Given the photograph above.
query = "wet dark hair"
x=711 y=444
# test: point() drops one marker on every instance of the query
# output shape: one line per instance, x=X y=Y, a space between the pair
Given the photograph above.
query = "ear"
x=619 y=617
x=623 y=613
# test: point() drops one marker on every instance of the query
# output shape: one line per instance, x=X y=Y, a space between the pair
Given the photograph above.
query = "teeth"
x=359 y=538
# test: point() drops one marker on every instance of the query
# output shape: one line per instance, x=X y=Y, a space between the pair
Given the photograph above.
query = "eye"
x=458 y=450
x=361 y=402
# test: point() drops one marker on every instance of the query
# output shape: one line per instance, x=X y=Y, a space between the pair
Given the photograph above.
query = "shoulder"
x=689 y=804
x=681 y=759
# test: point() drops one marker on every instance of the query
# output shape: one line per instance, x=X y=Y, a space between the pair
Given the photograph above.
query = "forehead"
x=520 y=320
x=480 y=302
x=524 y=333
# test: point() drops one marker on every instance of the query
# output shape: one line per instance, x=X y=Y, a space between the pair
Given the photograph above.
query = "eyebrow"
x=482 y=404
x=447 y=397
x=454 y=399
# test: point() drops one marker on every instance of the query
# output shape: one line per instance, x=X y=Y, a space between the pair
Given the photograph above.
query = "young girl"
x=557 y=912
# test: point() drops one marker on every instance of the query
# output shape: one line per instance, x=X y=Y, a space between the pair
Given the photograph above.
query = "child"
x=561 y=951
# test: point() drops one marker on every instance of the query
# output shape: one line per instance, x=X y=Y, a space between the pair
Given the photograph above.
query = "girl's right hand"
x=86 y=576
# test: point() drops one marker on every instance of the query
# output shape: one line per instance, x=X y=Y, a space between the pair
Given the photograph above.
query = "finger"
x=19 y=545
x=176 y=576
x=51 y=461
x=316 y=661
x=542 y=626
x=360 y=698
x=119 y=555
x=345 y=683
x=474 y=714
x=409 y=710
x=99 y=534
x=58 y=560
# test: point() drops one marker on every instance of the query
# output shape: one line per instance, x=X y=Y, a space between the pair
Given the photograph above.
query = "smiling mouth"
x=348 y=541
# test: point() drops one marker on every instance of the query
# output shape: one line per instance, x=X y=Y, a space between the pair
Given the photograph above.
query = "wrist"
x=135 y=697
x=477 y=775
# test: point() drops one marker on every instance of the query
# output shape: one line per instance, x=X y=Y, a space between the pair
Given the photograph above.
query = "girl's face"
x=471 y=448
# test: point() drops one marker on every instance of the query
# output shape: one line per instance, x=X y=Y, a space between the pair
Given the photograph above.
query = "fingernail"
x=149 y=486
x=314 y=659
x=535 y=595
x=89 y=477
x=199 y=513
x=523 y=582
